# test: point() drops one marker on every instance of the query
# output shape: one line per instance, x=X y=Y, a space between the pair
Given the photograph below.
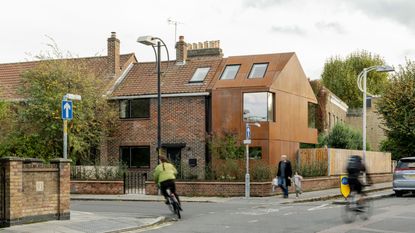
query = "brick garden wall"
x=258 y=189
x=97 y=187
x=34 y=191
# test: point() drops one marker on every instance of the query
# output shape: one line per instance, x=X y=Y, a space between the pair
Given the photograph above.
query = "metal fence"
x=135 y=182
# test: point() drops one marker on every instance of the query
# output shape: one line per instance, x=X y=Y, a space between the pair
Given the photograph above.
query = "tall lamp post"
x=361 y=83
x=156 y=42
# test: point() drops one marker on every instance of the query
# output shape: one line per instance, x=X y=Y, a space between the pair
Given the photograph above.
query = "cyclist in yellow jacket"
x=164 y=176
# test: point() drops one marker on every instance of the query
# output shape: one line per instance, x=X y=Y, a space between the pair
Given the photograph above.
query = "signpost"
x=67 y=115
x=247 y=141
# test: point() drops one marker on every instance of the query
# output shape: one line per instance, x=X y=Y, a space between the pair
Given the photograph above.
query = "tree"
x=39 y=129
x=340 y=76
x=397 y=107
x=6 y=119
x=343 y=137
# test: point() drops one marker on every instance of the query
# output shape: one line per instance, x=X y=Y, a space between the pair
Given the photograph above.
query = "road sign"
x=246 y=142
x=248 y=132
x=67 y=110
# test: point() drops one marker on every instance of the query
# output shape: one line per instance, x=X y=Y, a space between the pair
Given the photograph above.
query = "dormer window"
x=200 y=75
x=258 y=70
x=230 y=72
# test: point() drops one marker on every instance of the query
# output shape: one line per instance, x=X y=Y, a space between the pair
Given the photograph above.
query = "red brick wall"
x=183 y=121
x=258 y=189
x=97 y=187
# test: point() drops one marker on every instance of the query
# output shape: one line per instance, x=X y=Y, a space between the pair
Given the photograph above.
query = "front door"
x=174 y=154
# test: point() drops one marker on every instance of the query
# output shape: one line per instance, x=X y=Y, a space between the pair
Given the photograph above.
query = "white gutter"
x=338 y=102
x=162 y=95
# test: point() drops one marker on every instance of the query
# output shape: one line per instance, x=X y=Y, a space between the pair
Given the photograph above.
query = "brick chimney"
x=181 y=51
x=205 y=49
x=113 y=55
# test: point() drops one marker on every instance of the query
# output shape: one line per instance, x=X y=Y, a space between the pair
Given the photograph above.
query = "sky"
x=314 y=29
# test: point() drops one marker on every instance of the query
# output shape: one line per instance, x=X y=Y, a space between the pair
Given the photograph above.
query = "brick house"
x=335 y=111
x=331 y=109
x=203 y=92
x=108 y=68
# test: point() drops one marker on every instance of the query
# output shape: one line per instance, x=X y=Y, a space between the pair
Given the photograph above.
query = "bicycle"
x=354 y=207
x=174 y=204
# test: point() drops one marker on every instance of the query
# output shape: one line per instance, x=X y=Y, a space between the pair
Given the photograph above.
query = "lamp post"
x=361 y=83
x=247 y=141
x=156 y=42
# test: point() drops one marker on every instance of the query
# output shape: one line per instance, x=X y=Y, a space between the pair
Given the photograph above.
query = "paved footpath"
x=87 y=222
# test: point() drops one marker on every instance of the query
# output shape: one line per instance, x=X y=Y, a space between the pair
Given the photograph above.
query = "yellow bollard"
x=344 y=186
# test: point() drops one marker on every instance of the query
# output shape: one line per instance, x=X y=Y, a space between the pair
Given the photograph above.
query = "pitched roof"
x=10 y=72
x=142 y=78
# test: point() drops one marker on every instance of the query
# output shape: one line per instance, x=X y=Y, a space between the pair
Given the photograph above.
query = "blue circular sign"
x=345 y=181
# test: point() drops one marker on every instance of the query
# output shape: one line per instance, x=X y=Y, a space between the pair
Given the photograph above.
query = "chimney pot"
x=113 y=34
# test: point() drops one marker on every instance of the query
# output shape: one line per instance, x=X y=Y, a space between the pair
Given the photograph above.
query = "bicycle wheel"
x=348 y=213
x=177 y=209
x=170 y=205
x=367 y=210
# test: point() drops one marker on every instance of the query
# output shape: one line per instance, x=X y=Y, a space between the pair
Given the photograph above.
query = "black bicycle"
x=354 y=207
x=174 y=204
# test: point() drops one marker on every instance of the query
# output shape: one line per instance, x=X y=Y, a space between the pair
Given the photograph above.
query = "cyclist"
x=164 y=176
x=355 y=168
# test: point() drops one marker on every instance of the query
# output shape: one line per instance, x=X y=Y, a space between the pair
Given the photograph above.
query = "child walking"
x=297 y=184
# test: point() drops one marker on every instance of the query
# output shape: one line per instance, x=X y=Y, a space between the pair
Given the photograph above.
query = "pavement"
x=87 y=222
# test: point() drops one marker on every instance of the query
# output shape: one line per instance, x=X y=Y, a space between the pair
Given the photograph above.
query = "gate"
x=2 y=194
x=135 y=182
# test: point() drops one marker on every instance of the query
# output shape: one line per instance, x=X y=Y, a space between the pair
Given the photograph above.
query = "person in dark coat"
x=284 y=175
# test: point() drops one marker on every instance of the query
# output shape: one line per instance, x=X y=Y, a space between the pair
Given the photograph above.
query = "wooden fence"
x=336 y=159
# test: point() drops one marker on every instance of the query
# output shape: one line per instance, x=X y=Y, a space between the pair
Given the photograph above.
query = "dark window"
x=200 y=75
x=255 y=152
x=135 y=156
x=369 y=102
x=230 y=72
x=135 y=108
x=312 y=108
x=258 y=70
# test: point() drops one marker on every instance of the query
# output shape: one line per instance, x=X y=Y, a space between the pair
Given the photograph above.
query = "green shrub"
x=317 y=168
x=261 y=172
x=343 y=137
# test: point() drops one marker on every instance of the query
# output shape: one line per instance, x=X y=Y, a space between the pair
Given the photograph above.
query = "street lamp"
x=247 y=141
x=361 y=83
x=156 y=42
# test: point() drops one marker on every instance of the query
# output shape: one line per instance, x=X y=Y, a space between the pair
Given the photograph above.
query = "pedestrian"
x=284 y=175
x=297 y=184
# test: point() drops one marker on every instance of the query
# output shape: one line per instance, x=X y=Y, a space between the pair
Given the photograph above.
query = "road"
x=257 y=216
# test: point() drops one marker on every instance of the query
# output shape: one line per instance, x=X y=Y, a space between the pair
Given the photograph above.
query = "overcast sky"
x=314 y=29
